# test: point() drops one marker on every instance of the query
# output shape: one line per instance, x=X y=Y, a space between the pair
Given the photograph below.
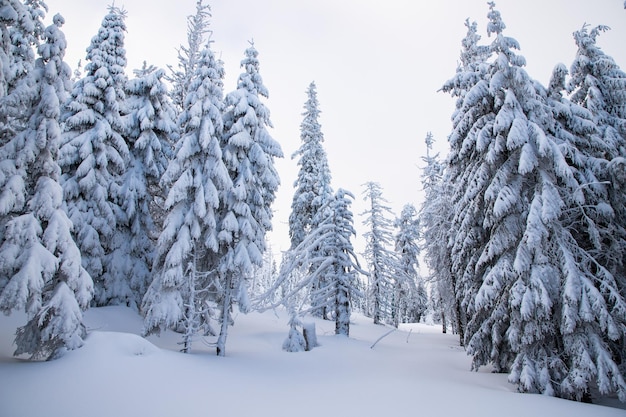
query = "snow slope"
x=413 y=371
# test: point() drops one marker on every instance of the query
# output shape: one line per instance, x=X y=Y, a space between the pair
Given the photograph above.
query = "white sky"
x=377 y=66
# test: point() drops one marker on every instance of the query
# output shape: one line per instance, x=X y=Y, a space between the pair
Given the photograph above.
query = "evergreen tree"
x=594 y=337
x=410 y=299
x=336 y=261
x=344 y=265
x=94 y=157
x=435 y=220
x=151 y=130
x=249 y=153
x=263 y=278
x=312 y=187
x=456 y=253
x=512 y=324
x=38 y=255
x=197 y=179
x=381 y=259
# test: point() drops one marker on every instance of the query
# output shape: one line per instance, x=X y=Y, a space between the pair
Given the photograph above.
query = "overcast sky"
x=377 y=66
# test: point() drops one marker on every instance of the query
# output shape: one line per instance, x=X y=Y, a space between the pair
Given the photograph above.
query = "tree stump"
x=310 y=337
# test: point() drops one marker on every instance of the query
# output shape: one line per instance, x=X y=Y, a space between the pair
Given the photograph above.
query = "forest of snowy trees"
x=155 y=192
x=524 y=220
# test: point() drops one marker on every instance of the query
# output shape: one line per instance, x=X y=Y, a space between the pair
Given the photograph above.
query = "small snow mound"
x=117 y=344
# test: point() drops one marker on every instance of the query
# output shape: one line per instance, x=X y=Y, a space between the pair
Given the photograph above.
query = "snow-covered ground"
x=414 y=371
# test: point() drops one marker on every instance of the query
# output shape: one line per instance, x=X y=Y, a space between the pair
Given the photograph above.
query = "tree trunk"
x=460 y=323
x=310 y=336
x=460 y=317
x=225 y=317
x=189 y=319
x=444 y=325
x=342 y=310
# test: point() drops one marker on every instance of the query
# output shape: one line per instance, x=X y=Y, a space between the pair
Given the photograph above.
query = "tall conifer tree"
x=378 y=252
x=38 y=254
x=410 y=298
x=312 y=187
x=197 y=179
x=151 y=130
x=249 y=153
x=94 y=157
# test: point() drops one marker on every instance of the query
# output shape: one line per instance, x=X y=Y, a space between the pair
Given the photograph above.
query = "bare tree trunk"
x=225 y=317
x=460 y=317
x=189 y=320
x=444 y=325
x=460 y=322
x=342 y=309
x=377 y=306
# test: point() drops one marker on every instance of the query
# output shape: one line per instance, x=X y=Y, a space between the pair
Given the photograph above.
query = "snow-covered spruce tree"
x=470 y=71
x=345 y=265
x=189 y=55
x=381 y=259
x=197 y=179
x=38 y=256
x=435 y=218
x=590 y=334
x=594 y=343
x=410 y=298
x=451 y=210
x=151 y=130
x=312 y=186
x=521 y=176
x=93 y=158
x=249 y=152
x=335 y=260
